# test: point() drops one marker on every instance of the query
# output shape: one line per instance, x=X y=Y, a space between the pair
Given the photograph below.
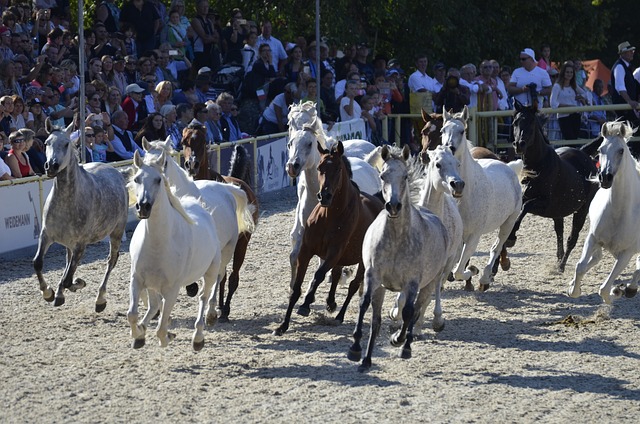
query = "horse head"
x=527 y=127
x=301 y=114
x=59 y=150
x=395 y=177
x=613 y=151
x=443 y=171
x=302 y=154
x=453 y=130
x=194 y=149
x=332 y=171
x=431 y=136
x=146 y=183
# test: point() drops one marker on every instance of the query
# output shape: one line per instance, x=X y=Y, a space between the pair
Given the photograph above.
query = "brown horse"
x=194 y=151
x=432 y=138
x=334 y=232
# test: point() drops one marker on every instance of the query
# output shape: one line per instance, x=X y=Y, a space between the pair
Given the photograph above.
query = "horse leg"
x=234 y=278
x=301 y=269
x=370 y=284
x=310 y=296
x=558 y=227
x=487 y=275
x=576 y=226
x=591 y=254
x=526 y=208
x=376 y=321
x=168 y=301
x=223 y=281
x=208 y=299
x=421 y=303
x=468 y=250
x=353 y=288
x=606 y=289
x=400 y=336
x=153 y=306
x=505 y=262
x=296 y=245
x=73 y=259
x=137 y=331
x=114 y=252
x=632 y=288
x=38 y=263
x=212 y=313
x=336 y=274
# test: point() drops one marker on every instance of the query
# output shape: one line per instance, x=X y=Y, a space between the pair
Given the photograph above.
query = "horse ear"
x=446 y=115
x=425 y=116
x=605 y=129
x=137 y=160
x=406 y=152
x=145 y=144
x=168 y=143
x=322 y=150
x=465 y=113
x=384 y=153
x=518 y=105
x=340 y=148
x=48 y=126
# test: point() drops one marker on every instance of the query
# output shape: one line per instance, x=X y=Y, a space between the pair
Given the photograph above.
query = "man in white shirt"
x=468 y=74
x=502 y=102
x=624 y=84
x=278 y=54
x=528 y=74
x=419 y=81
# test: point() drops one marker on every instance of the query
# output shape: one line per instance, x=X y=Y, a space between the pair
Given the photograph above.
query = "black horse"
x=556 y=182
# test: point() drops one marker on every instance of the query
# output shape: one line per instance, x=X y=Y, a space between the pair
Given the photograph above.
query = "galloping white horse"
x=492 y=199
x=406 y=249
x=613 y=214
x=174 y=244
x=227 y=203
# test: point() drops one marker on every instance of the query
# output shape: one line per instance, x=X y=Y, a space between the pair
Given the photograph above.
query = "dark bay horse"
x=557 y=181
x=195 y=153
x=334 y=231
x=431 y=138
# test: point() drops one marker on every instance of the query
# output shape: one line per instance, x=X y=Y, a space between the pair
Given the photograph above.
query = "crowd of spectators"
x=150 y=71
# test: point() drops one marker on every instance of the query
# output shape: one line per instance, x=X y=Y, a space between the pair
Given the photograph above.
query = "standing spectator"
x=490 y=95
x=495 y=73
x=453 y=96
x=16 y=114
x=624 y=88
x=294 y=66
x=179 y=31
x=103 y=45
x=332 y=110
x=349 y=107
x=468 y=75
x=439 y=71
x=123 y=144
x=545 y=58
x=17 y=159
x=349 y=57
x=526 y=76
x=278 y=53
x=108 y=13
x=365 y=68
x=143 y=17
x=419 y=81
x=205 y=44
x=250 y=51
x=233 y=36
x=597 y=117
x=229 y=124
x=566 y=93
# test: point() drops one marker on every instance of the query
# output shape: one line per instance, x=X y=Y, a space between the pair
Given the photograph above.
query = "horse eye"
x=438 y=165
x=136 y=180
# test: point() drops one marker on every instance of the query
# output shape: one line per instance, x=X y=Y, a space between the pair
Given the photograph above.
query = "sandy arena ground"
x=522 y=352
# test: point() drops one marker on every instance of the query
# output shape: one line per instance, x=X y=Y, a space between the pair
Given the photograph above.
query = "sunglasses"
x=18 y=140
x=89 y=135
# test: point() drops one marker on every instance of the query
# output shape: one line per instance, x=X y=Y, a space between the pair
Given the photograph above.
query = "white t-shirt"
x=522 y=78
x=270 y=112
x=418 y=81
x=4 y=168
x=566 y=96
x=357 y=110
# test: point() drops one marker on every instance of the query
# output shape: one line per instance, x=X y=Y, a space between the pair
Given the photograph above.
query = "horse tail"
x=240 y=167
x=517 y=166
x=244 y=210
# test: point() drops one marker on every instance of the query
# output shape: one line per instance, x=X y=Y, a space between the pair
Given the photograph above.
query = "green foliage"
x=452 y=31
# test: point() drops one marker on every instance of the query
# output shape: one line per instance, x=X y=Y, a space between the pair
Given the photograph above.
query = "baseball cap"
x=203 y=70
x=133 y=88
x=529 y=52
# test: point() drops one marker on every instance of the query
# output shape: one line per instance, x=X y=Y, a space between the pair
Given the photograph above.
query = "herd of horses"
x=407 y=223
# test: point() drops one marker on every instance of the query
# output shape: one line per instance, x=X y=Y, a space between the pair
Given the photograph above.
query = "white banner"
x=349 y=130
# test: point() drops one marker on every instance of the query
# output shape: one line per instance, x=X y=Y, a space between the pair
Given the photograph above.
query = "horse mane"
x=624 y=130
x=415 y=173
x=175 y=202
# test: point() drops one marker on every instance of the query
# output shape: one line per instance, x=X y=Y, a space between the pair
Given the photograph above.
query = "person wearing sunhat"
x=623 y=86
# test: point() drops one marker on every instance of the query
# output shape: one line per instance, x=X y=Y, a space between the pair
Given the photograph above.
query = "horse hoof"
x=279 y=331
x=304 y=311
x=438 y=327
x=59 y=301
x=224 y=319
x=505 y=264
x=395 y=340
x=354 y=354
x=629 y=292
x=468 y=286
x=192 y=290
x=332 y=306
x=101 y=307
x=48 y=297
x=474 y=270
x=212 y=319
x=510 y=242
x=78 y=284
x=405 y=353
x=137 y=343
x=450 y=277
x=483 y=287
x=365 y=366
x=197 y=346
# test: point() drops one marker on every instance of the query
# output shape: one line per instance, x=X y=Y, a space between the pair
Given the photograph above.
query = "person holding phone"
x=233 y=36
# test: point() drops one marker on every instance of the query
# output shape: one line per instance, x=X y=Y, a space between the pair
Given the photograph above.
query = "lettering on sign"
x=17 y=221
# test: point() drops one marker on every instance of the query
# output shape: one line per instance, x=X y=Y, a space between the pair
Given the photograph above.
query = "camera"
x=174 y=53
x=242 y=21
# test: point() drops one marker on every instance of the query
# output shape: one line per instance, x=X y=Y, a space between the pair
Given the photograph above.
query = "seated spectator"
x=17 y=159
x=17 y=114
x=331 y=107
x=123 y=143
x=101 y=143
x=184 y=115
x=169 y=114
x=5 y=171
x=312 y=96
x=134 y=105
x=35 y=150
x=228 y=123
x=214 y=131
x=274 y=119
x=114 y=98
x=153 y=129
x=164 y=91
x=37 y=118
